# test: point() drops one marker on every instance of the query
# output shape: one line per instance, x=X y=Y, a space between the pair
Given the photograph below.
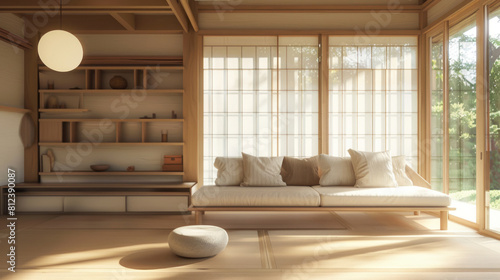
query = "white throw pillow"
x=399 y=169
x=229 y=171
x=262 y=171
x=336 y=171
x=373 y=169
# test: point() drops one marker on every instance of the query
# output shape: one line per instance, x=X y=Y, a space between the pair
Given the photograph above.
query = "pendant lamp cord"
x=60 y=14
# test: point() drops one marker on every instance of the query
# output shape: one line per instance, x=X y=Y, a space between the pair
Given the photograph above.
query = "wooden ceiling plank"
x=179 y=14
x=106 y=24
x=83 y=4
x=191 y=13
x=157 y=23
x=131 y=6
x=306 y=8
x=126 y=20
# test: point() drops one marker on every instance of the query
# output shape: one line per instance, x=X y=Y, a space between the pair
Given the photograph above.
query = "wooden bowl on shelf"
x=99 y=167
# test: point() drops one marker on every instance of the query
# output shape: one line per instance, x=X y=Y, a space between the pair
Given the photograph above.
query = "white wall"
x=12 y=95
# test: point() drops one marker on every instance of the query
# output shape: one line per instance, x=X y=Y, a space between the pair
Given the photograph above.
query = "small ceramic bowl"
x=99 y=167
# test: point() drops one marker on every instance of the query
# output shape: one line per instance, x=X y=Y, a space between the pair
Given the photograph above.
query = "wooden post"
x=443 y=219
x=31 y=103
x=191 y=107
x=323 y=95
x=197 y=217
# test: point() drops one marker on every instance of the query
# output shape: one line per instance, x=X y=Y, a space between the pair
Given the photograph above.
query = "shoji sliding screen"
x=373 y=95
x=260 y=97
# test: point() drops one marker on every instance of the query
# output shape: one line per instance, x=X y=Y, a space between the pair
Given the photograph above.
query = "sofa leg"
x=197 y=217
x=416 y=213
x=443 y=217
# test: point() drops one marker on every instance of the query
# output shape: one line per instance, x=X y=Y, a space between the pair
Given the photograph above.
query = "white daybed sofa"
x=403 y=198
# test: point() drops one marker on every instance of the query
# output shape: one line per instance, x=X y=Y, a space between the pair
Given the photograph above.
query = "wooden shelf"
x=112 y=120
x=119 y=67
x=109 y=173
x=146 y=144
x=62 y=111
x=119 y=186
x=110 y=91
x=14 y=109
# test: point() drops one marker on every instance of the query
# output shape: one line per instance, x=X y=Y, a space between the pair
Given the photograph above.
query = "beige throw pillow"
x=336 y=171
x=399 y=169
x=262 y=171
x=229 y=171
x=300 y=172
x=373 y=169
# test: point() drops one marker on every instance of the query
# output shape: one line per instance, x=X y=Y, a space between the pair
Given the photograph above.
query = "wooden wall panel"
x=364 y=22
x=31 y=102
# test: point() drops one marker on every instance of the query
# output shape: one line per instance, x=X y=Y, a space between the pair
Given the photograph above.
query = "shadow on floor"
x=157 y=258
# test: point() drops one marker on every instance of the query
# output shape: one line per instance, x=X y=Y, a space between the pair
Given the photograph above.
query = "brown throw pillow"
x=300 y=172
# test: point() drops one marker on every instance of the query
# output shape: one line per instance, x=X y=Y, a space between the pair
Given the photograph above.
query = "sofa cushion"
x=399 y=196
x=229 y=171
x=250 y=196
x=336 y=171
x=262 y=171
x=300 y=172
x=373 y=169
x=399 y=169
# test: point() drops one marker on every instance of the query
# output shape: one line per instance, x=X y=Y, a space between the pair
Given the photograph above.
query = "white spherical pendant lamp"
x=60 y=50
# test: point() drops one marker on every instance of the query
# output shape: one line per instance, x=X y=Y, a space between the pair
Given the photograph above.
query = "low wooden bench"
x=443 y=211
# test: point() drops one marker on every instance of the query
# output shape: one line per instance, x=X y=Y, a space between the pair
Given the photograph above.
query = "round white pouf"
x=198 y=241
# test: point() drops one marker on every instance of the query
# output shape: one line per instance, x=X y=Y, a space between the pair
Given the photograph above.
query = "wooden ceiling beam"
x=126 y=20
x=305 y=8
x=429 y=4
x=192 y=13
x=179 y=14
x=106 y=24
x=52 y=6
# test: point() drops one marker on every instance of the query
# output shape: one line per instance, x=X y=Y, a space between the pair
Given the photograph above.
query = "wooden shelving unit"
x=83 y=90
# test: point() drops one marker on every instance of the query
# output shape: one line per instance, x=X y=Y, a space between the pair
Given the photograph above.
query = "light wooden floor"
x=261 y=246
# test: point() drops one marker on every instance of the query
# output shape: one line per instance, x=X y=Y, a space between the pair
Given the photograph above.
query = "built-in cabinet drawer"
x=39 y=203
x=157 y=203
x=94 y=204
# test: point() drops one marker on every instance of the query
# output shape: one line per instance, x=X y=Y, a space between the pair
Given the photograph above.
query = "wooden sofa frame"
x=415 y=177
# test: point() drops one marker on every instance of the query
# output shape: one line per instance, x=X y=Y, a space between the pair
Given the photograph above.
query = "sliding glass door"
x=493 y=186
x=462 y=118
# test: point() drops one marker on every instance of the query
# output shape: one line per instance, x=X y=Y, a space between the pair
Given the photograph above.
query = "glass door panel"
x=493 y=188
x=462 y=118
x=437 y=133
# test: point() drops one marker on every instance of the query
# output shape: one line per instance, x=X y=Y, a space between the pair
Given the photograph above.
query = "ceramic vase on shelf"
x=118 y=82
x=51 y=102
